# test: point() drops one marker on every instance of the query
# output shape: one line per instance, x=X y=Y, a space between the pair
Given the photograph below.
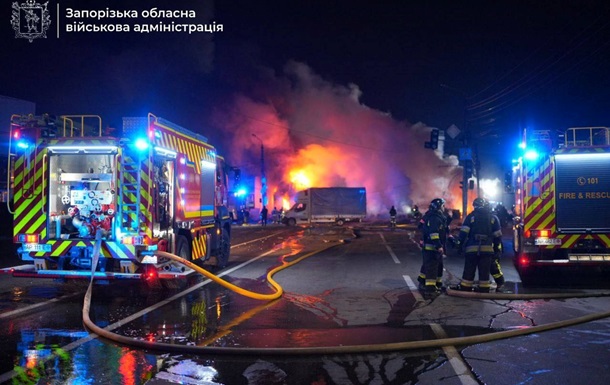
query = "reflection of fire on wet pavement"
x=316 y=305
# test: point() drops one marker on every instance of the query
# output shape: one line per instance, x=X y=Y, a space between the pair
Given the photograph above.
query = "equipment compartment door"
x=583 y=188
x=82 y=195
x=163 y=195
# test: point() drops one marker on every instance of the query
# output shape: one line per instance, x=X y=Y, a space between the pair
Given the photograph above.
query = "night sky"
x=491 y=67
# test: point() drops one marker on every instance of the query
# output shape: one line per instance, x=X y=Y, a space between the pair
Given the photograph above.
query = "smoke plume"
x=319 y=134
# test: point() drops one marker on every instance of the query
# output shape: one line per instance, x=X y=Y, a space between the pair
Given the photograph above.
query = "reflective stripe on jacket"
x=434 y=230
x=475 y=243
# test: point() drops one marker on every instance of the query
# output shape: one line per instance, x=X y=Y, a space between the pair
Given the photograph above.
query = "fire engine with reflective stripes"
x=75 y=186
x=562 y=191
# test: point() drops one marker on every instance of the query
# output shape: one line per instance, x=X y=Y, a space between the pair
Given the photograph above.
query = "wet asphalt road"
x=357 y=293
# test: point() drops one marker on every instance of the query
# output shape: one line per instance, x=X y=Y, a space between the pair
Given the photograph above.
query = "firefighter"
x=502 y=214
x=416 y=213
x=392 y=217
x=434 y=231
x=496 y=269
x=422 y=271
x=480 y=239
x=275 y=215
x=264 y=213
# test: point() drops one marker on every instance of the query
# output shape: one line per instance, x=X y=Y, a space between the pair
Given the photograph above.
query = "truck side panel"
x=338 y=201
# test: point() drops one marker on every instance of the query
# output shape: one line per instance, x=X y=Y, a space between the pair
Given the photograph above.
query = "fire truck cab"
x=562 y=197
x=156 y=187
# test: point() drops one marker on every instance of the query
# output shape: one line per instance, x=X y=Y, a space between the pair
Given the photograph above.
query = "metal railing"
x=68 y=124
x=587 y=136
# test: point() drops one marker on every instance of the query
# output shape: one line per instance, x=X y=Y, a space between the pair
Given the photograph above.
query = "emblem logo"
x=30 y=20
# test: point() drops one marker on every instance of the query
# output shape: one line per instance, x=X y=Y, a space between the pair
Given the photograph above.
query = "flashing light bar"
x=83 y=149
x=142 y=144
x=20 y=141
x=531 y=155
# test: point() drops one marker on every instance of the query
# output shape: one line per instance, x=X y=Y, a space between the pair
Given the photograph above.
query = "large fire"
x=318 y=134
x=299 y=179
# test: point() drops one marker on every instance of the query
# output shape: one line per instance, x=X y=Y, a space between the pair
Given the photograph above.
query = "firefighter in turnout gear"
x=421 y=278
x=434 y=229
x=496 y=269
x=480 y=239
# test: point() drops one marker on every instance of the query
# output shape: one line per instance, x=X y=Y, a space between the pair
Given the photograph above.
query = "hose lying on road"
x=343 y=349
x=247 y=293
x=517 y=296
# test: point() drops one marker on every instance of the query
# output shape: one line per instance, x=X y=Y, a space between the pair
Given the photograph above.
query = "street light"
x=263 y=177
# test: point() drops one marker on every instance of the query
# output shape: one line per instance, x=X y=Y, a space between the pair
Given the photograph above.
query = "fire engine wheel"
x=340 y=222
x=222 y=258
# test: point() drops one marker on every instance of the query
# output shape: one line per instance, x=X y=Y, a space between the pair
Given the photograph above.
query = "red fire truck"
x=562 y=191
x=157 y=187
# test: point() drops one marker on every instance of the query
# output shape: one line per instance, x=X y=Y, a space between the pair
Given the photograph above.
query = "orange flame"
x=299 y=179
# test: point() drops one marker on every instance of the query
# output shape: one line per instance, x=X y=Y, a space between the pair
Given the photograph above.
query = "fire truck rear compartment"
x=158 y=187
x=562 y=197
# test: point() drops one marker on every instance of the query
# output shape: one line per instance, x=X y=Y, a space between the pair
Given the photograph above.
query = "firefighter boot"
x=430 y=287
x=460 y=287
x=499 y=283
x=439 y=283
x=483 y=287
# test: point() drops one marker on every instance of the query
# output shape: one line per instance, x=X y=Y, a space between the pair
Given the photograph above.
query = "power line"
x=533 y=81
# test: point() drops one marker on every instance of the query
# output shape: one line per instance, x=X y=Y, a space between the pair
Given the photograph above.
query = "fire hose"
x=320 y=350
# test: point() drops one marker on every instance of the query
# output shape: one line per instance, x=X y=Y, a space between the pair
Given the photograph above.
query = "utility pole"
x=466 y=161
x=477 y=168
x=466 y=158
x=263 y=177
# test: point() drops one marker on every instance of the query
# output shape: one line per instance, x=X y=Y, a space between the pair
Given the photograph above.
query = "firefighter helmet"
x=480 y=203
x=437 y=203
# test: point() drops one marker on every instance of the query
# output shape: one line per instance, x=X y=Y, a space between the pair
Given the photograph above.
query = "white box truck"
x=327 y=205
